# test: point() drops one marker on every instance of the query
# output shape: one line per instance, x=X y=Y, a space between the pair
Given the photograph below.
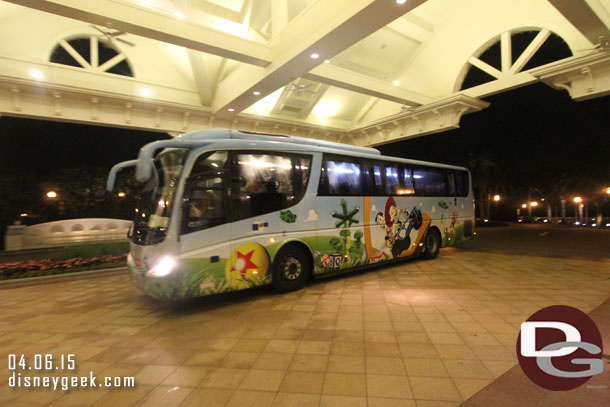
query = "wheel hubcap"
x=291 y=268
x=431 y=243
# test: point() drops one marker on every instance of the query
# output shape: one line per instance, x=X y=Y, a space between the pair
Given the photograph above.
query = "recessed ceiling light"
x=36 y=74
x=326 y=61
x=323 y=122
x=315 y=56
x=180 y=15
x=231 y=109
x=146 y=92
x=256 y=93
x=401 y=1
x=395 y=83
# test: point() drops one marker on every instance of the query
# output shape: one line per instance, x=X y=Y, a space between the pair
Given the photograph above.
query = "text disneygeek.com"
x=41 y=363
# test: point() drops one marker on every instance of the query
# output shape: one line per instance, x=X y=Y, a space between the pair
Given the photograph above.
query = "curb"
x=28 y=281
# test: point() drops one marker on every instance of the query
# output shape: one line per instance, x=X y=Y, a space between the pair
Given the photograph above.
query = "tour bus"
x=223 y=210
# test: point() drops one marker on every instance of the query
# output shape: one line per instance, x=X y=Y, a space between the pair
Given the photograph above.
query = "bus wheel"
x=291 y=269
x=432 y=244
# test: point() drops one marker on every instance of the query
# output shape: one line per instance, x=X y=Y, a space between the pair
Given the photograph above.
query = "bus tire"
x=432 y=244
x=291 y=269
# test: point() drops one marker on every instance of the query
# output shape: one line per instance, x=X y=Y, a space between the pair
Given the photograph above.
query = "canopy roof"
x=384 y=70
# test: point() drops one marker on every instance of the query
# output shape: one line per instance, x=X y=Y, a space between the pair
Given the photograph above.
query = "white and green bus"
x=223 y=210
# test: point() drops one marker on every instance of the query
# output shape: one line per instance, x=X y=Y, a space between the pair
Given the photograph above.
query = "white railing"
x=62 y=232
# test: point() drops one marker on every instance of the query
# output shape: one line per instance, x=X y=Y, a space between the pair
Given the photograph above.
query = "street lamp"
x=52 y=194
x=534 y=204
x=121 y=194
x=524 y=206
x=608 y=190
x=497 y=198
x=578 y=209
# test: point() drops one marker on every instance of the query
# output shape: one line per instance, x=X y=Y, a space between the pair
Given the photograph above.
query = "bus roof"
x=232 y=139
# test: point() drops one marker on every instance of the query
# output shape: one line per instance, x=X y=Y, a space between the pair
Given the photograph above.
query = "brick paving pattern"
x=418 y=333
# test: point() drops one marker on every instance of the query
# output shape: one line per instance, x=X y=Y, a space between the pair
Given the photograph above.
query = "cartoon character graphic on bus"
x=398 y=224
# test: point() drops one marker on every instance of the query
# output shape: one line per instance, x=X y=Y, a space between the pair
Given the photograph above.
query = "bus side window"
x=392 y=182
x=204 y=198
x=377 y=187
x=451 y=180
x=406 y=181
x=340 y=178
x=265 y=183
x=461 y=183
x=430 y=182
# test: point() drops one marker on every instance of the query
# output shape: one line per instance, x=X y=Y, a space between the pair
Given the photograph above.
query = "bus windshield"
x=157 y=197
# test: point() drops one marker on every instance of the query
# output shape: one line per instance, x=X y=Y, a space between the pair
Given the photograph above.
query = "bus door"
x=205 y=238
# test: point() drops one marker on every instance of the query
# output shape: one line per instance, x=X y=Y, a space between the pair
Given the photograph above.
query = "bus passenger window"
x=391 y=181
x=204 y=203
x=430 y=182
x=340 y=178
x=377 y=180
x=406 y=187
x=264 y=183
x=461 y=183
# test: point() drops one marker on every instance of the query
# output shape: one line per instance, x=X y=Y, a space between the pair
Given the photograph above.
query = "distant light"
x=146 y=92
x=315 y=56
x=534 y=203
x=542 y=199
x=546 y=221
x=326 y=61
x=520 y=220
x=524 y=206
x=486 y=220
x=23 y=215
x=395 y=83
x=496 y=198
x=608 y=225
x=51 y=194
x=180 y=15
x=608 y=190
x=256 y=93
x=36 y=74
x=401 y=1
x=577 y=223
x=594 y=224
x=121 y=194
x=231 y=109
x=577 y=199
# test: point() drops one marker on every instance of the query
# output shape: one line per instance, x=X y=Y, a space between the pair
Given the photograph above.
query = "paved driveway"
x=420 y=333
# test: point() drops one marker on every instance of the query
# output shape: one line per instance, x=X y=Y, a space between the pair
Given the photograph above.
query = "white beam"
x=506 y=51
x=529 y=52
x=485 y=67
x=203 y=77
x=135 y=19
x=584 y=19
x=279 y=16
x=356 y=82
x=325 y=28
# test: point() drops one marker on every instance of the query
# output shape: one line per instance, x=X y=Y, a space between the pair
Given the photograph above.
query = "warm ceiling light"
x=315 y=56
x=401 y=1
x=524 y=206
x=231 y=109
x=51 y=194
x=323 y=122
x=36 y=74
x=121 y=194
x=326 y=61
x=496 y=198
x=180 y=15
x=256 y=93
x=326 y=108
x=146 y=92
x=577 y=199
x=395 y=83
x=534 y=203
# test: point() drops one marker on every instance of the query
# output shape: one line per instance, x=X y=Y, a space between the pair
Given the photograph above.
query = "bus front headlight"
x=163 y=267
